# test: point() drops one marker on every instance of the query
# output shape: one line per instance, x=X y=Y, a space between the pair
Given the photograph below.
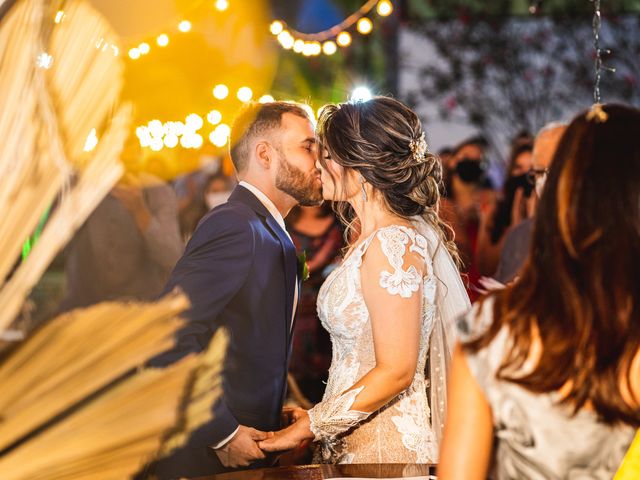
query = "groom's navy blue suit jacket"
x=239 y=270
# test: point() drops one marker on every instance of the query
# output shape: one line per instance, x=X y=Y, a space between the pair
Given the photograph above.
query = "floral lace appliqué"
x=332 y=417
x=411 y=425
x=394 y=244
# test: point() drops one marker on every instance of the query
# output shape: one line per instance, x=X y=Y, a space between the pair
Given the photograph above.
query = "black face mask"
x=513 y=183
x=470 y=170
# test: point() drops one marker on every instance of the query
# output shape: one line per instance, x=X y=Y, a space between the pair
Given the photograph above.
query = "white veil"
x=451 y=301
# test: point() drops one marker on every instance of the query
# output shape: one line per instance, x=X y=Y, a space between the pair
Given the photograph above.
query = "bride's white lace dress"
x=401 y=431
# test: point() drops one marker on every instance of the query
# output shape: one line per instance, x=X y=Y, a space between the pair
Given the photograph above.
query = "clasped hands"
x=249 y=445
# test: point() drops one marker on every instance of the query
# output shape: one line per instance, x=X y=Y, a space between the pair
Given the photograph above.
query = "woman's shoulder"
x=477 y=321
x=400 y=237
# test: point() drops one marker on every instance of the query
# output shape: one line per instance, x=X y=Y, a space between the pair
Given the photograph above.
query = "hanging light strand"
x=290 y=38
x=599 y=66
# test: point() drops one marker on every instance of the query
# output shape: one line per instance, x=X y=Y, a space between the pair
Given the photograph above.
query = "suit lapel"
x=289 y=256
x=288 y=251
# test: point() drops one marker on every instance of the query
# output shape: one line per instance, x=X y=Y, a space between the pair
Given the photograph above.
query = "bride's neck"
x=373 y=214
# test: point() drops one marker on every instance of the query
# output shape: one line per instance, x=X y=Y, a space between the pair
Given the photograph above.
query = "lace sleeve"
x=333 y=416
x=393 y=242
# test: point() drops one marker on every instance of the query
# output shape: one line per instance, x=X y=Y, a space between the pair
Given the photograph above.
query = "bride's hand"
x=290 y=437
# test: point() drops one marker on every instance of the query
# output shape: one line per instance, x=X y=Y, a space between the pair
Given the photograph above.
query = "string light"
x=163 y=40
x=364 y=26
x=134 y=54
x=298 y=46
x=144 y=48
x=344 y=39
x=59 y=16
x=222 y=5
x=361 y=94
x=92 y=141
x=244 y=94
x=384 y=8
x=276 y=27
x=184 y=26
x=44 y=60
x=214 y=117
x=221 y=91
x=599 y=67
x=266 y=99
x=329 y=47
x=307 y=43
x=171 y=140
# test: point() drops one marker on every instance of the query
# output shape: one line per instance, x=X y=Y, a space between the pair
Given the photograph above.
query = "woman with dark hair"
x=515 y=205
x=388 y=305
x=546 y=384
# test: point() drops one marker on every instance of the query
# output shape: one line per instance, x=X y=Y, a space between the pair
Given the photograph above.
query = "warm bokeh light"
x=365 y=26
x=223 y=129
x=163 y=40
x=92 y=141
x=361 y=94
x=171 y=140
x=244 y=94
x=286 y=40
x=316 y=48
x=184 y=26
x=221 y=91
x=276 y=27
x=219 y=139
x=266 y=99
x=214 y=117
x=222 y=5
x=134 y=54
x=344 y=39
x=59 y=16
x=329 y=48
x=144 y=48
x=194 y=121
x=298 y=46
x=384 y=8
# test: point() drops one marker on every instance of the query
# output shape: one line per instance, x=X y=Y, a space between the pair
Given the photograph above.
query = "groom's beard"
x=304 y=188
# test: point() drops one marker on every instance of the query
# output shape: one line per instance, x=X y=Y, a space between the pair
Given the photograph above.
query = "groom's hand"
x=242 y=450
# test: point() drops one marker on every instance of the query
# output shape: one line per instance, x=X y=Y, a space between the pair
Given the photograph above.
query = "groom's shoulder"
x=231 y=219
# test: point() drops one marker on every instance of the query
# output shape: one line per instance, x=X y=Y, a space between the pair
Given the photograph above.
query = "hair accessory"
x=597 y=114
x=419 y=149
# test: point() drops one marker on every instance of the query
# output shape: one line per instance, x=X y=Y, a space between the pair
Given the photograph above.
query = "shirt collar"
x=268 y=204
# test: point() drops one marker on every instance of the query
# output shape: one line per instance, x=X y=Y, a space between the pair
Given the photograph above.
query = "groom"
x=240 y=271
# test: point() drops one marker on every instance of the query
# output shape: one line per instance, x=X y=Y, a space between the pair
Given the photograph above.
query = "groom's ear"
x=263 y=156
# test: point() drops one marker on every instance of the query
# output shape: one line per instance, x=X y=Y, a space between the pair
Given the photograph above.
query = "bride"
x=392 y=302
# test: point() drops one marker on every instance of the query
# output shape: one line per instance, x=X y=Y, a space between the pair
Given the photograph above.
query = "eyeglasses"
x=535 y=173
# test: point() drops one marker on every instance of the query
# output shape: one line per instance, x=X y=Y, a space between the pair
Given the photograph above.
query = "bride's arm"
x=391 y=279
x=394 y=303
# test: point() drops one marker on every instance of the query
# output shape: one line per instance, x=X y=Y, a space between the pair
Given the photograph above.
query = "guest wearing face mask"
x=516 y=242
x=468 y=196
x=202 y=196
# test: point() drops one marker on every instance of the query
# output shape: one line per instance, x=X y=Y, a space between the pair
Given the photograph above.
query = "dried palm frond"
x=199 y=396
x=111 y=433
x=76 y=354
x=49 y=109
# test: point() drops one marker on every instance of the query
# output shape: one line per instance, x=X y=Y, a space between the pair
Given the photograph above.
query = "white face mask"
x=540 y=181
x=213 y=199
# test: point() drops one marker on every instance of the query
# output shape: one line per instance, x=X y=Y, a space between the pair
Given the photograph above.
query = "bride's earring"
x=364 y=192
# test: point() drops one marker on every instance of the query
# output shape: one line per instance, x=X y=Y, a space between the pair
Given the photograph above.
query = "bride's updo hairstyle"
x=382 y=139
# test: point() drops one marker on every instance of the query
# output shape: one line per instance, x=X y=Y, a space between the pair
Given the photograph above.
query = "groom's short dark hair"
x=254 y=120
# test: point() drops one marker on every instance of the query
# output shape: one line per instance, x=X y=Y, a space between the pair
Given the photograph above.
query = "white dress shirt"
x=275 y=213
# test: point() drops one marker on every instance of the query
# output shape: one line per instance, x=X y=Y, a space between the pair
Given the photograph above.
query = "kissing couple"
x=388 y=306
